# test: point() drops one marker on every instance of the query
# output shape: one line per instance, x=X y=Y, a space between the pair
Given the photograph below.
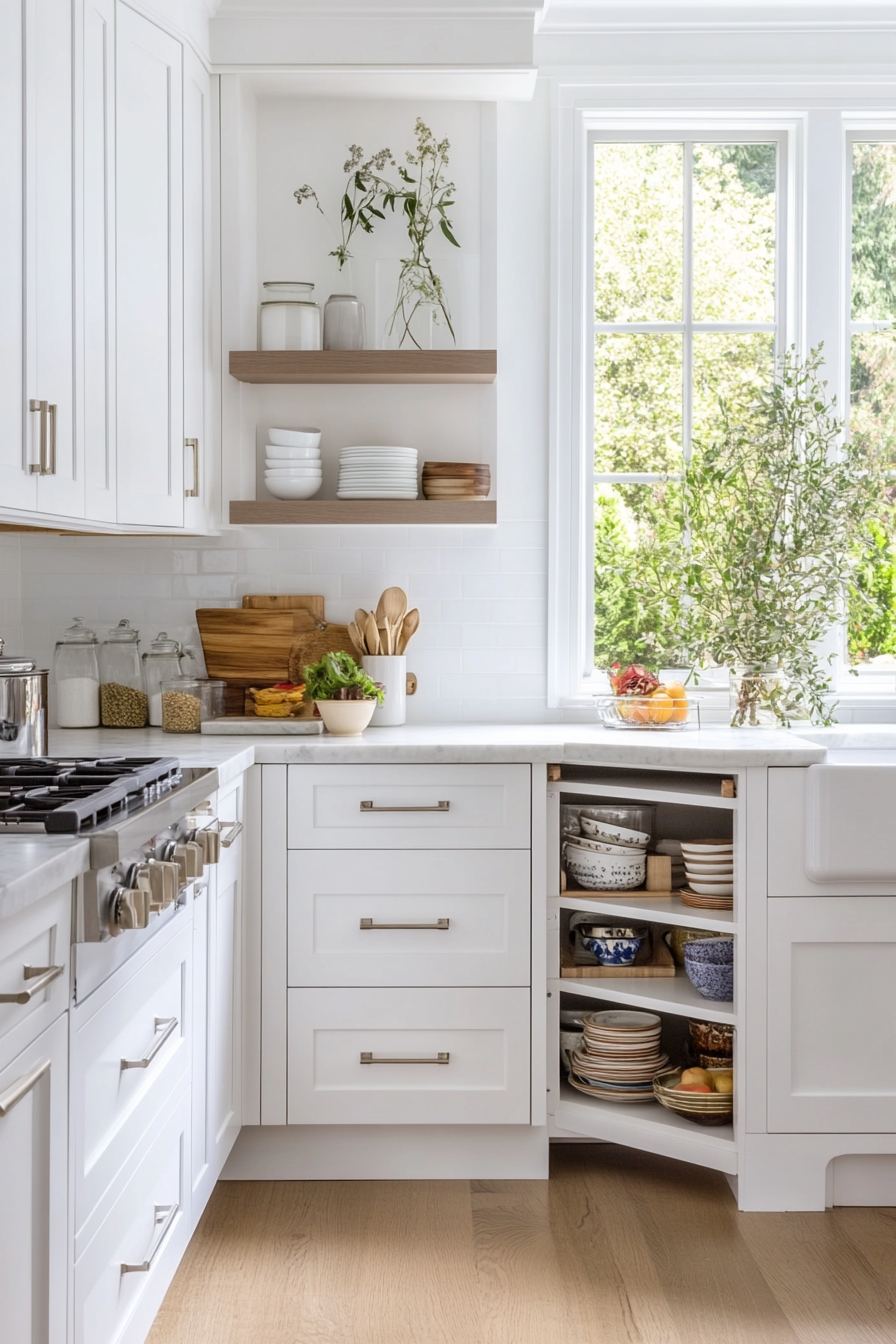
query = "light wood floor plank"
x=619 y=1247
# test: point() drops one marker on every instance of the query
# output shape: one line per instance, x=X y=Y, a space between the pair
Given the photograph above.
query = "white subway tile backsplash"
x=476 y=562
x=221 y=562
x=508 y=686
x=499 y=661
x=519 y=561
x=203 y=586
x=433 y=587
x=348 y=562
x=414 y=559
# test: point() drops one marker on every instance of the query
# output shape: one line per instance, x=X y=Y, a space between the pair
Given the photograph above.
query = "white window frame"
x=572 y=680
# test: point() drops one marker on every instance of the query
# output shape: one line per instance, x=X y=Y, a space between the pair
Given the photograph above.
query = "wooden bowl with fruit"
x=705 y=1096
x=640 y=700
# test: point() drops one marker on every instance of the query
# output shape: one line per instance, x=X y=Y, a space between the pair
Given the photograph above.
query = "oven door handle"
x=41 y=975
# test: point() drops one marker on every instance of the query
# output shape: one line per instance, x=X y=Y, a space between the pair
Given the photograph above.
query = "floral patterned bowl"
x=615 y=947
x=604 y=872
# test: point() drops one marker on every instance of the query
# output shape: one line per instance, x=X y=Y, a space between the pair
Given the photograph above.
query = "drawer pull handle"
x=367 y=1058
x=234 y=828
x=369 y=924
x=367 y=806
x=164 y=1216
x=41 y=975
x=21 y=1087
x=167 y=1025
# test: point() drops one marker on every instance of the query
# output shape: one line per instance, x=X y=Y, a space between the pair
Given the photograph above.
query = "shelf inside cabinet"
x=676 y=995
x=651 y=1128
x=345 y=512
x=628 y=788
x=665 y=909
x=364 y=366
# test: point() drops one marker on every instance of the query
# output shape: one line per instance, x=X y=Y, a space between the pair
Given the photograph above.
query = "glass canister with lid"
x=187 y=702
x=163 y=661
x=123 y=702
x=76 y=675
x=290 y=319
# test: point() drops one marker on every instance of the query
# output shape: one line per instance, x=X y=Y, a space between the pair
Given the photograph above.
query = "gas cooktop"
x=69 y=797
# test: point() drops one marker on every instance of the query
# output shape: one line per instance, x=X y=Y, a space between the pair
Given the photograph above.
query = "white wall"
x=480 y=652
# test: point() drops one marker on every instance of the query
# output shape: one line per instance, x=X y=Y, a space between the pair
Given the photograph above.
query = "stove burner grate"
x=69 y=796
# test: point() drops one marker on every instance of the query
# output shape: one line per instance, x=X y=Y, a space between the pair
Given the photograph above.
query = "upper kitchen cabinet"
x=201 y=470
x=149 y=273
x=39 y=460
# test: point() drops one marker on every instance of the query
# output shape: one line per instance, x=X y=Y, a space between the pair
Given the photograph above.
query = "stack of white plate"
x=377 y=473
x=620 y=1058
x=292 y=463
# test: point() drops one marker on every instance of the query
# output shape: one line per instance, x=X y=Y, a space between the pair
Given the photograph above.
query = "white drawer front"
x=111 y=1307
x=483 y=896
x=483 y=1032
x=111 y=1106
x=37 y=939
x=488 y=806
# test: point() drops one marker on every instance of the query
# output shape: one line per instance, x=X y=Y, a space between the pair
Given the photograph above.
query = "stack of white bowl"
x=377 y=473
x=292 y=463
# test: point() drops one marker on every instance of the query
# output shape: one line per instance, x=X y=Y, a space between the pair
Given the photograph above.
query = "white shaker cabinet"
x=198 y=116
x=149 y=273
x=39 y=466
x=33 y=1232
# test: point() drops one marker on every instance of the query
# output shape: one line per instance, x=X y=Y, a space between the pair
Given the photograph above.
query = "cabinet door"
x=33 y=1135
x=95 y=250
x=203 y=1177
x=49 y=251
x=224 y=1034
x=197 y=294
x=149 y=273
x=831 y=1028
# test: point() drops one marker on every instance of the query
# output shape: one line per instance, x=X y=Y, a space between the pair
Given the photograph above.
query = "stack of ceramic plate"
x=377 y=473
x=456 y=480
x=292 y=463
x=620 y=1058
x=709 y=867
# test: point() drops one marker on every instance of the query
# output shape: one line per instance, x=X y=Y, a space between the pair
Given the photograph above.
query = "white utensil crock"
x=392 y=673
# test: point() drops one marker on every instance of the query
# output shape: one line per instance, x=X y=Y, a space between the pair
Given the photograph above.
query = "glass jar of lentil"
x=123 y=702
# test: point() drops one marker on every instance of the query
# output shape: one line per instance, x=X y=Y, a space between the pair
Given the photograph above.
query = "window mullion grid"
x=687 y=301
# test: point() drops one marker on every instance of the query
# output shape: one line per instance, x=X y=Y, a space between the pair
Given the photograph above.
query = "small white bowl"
x=693 y=866
x=616 y=835
x=303 y=469
x=712 y=888
x=601 y=846
x=701 y=849
x=282 y=488
x=346 y=718
x=295 y=438
x=280 y=454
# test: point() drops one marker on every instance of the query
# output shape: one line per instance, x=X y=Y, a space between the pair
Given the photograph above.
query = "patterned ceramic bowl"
x=604 y=872
x=714 y=979
x=614 y=947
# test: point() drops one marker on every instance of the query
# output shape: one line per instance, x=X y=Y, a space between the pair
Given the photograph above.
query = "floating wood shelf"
x=364 y=366
x=344 y=512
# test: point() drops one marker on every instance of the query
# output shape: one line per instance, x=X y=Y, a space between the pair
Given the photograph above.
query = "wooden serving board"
x=311 y=645
x=247 y=647
x=285 y=602
x=653 y=960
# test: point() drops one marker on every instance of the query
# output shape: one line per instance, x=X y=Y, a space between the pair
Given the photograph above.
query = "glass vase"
x=757 y=696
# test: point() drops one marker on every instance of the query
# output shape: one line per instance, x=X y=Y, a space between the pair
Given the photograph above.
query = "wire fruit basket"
x=642 y=713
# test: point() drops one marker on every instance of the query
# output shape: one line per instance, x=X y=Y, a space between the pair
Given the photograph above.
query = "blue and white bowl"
x=709 y=965
x=614 y=947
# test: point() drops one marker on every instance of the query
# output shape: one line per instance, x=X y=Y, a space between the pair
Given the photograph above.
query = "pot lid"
x=77 y=633
x=15 y=663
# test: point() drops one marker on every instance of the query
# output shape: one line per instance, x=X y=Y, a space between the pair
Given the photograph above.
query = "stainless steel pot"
x=23 y=707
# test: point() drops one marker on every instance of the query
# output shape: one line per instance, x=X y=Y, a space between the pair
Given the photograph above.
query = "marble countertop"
x=31 y=866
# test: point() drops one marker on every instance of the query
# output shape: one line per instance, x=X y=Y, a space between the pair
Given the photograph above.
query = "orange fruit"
x=679 y=697
x=636 y=708
x=691 y=1087
x=661 y=707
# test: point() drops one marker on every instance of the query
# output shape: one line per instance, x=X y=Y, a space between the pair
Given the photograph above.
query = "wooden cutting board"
x=310 y=647
x=248 y=647
x=285 y=602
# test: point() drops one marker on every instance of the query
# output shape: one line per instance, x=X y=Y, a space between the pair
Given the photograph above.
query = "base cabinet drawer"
x=34 y=968
x=123 y=1273
x=385 y=917
x=409 y=806
x=408 y=1056
x=130 y=1047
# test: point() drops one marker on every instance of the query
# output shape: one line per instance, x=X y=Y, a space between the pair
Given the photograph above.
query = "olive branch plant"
x=425 y=197
x=769 y=513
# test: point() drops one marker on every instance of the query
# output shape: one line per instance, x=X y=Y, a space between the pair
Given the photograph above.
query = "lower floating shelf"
x=676 y=995
x=345 y=512
x=651 y=1128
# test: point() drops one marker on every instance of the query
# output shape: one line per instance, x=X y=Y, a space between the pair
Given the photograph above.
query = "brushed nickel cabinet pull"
x=368 y=1058
x=41 y=975
x=163 y=1217
x=21 y=1087
x=367 y=806
x=167 y=1025
x=40 y=468
x=194 y=444
x=369 y=924
x=234 y=828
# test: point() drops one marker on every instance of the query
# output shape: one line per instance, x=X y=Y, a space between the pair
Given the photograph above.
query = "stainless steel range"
x=152 y=834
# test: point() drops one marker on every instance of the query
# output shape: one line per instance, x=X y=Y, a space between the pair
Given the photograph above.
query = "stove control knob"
x=131 y=908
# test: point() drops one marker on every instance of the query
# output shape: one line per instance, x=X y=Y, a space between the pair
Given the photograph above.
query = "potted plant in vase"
x=345 y=696
x=770 y=516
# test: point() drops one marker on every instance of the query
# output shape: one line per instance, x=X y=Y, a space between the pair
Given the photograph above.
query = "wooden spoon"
x=372 y=634
x=361 y=619
x=409 y=627
x=356 y=637
x=395 y=605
